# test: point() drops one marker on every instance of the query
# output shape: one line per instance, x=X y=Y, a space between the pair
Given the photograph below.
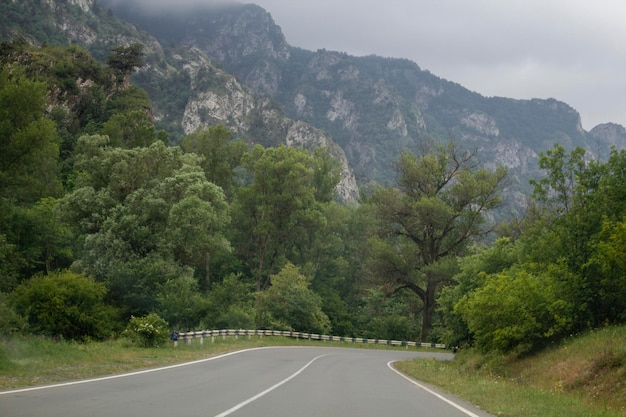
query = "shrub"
x=147 y=331
x=290 y=303
x=10 y=321
x=65 y=304
x=516 y=310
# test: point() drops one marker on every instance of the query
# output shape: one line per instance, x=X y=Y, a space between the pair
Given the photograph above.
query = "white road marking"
x=425 y=388
x=267 y=391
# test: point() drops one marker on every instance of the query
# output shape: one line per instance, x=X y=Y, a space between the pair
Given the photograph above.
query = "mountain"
x=232 y=65
x=374 y=107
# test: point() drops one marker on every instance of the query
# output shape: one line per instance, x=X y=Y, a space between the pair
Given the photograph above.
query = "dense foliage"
x=104 y=227
x=65 y=304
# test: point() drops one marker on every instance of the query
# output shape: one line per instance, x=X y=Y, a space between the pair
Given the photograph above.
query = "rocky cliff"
x=187 y=90
x=216 y=97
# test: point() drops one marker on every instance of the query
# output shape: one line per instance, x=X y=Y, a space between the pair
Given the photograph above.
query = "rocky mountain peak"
x=611 y=133
x=85 y=5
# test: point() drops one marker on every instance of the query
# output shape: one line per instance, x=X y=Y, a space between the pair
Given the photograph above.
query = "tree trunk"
x=429 y=308
x=207 y=268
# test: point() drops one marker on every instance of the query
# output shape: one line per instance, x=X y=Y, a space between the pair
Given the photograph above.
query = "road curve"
x=261 y=382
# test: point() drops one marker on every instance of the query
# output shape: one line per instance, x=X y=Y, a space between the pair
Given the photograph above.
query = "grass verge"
x=582 y=377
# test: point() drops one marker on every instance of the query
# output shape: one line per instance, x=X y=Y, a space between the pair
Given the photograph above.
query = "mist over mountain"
x=231 y=64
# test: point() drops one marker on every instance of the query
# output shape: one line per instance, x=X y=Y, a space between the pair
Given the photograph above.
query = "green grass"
x=582 y=377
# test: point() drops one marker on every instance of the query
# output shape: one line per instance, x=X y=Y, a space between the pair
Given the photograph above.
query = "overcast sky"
x=571 y=50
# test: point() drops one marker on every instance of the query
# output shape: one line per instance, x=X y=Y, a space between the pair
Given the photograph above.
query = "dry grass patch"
x=592 y=366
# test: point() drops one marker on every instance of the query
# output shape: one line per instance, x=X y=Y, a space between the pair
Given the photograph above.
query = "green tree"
x=559 y=188
x=9 y=265
x=428 y=220
x=35 y=241
x=499 y=257
x=290 y=304
x=125 y=59
x=578 y=199
x=51 y=240
x=130 y=130
x=231 y=304
x=221 y=154
x=335 y=261
x=609 y=259
x=382 y=317
x=277 y=214
x=128 y=100
x=180 y=302
x=10 y=321
x=195 y=226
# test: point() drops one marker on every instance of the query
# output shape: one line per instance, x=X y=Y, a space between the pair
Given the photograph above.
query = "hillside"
x=582 y=376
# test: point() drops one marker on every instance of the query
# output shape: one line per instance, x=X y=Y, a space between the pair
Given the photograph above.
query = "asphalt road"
x=263 y=382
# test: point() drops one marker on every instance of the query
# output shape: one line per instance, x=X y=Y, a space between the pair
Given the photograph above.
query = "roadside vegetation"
x=581 y=376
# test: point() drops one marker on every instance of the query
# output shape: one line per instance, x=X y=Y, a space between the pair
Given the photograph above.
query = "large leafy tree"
x=335 y=261
x=473 y=268
x=65 y=304
x=132 y=129
x=125 y=59
x=221 y=155
x=609 y=260
x=278 y=213
x=516 y=309
x=563 y=273
x=30 y=240
x=427 y=220
x=196 y=223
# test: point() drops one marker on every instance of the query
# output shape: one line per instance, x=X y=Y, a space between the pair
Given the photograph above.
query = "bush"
x=10 y=321
x=516 y=311
x=290 y=303
x=65 y=304
x=147 y=331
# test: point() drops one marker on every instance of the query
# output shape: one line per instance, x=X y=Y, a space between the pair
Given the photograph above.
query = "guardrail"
x=188 y=336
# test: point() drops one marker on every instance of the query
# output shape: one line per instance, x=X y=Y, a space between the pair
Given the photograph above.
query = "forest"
x=106 y=226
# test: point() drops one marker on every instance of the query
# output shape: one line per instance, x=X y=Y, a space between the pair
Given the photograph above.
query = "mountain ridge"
x=371 y=107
